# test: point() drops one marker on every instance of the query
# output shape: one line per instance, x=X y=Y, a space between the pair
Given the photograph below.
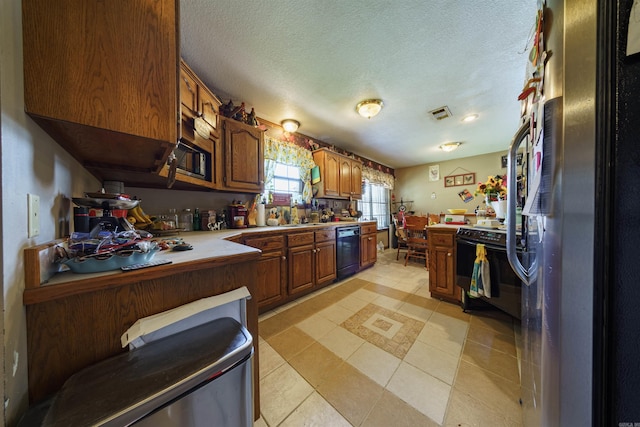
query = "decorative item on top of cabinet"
x=340 y=176
x=115 y=110
x=442 y=263
x=368 y=245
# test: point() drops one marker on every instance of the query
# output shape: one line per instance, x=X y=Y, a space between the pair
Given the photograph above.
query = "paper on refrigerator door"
x=633 y=36
x=186 y=316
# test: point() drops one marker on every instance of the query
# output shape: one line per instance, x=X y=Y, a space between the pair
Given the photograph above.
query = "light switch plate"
x=33 y=211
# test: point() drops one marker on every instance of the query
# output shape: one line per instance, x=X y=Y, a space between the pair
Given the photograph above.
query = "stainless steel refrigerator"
x=580 y=293
x=557 y=294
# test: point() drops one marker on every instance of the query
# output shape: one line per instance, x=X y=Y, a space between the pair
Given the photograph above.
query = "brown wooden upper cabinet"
x=340 y=176
x=243 y=157
x=214 y=152
x=108 y=96
x=197 y=100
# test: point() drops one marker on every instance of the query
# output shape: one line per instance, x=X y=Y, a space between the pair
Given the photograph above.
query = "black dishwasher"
x=347 y=250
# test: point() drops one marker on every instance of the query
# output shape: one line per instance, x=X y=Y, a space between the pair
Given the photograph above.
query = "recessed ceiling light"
x=469 y=117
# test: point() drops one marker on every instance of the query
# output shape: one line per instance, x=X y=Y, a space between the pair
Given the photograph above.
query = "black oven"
x=506 y=287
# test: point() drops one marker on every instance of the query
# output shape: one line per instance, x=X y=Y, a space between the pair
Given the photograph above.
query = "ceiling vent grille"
x=440 y=113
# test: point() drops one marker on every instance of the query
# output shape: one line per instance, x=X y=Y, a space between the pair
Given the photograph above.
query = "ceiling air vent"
x=440 y=113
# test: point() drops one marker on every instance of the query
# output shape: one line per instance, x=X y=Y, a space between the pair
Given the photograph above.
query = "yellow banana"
x=138 y=215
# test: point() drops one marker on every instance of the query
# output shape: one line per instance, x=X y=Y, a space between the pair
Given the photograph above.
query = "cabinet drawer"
x=441 y=239
x=299 y=239
x=368 y=229
x=325 y=235
x=265 y=243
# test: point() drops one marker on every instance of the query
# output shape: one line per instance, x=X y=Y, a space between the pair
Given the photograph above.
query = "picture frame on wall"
x=518 y=160
x=469 y=178
x=461 y=179
x=434 y=173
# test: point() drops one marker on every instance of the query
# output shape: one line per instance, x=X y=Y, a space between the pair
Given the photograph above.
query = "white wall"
x=413 y=184
x=31 y=163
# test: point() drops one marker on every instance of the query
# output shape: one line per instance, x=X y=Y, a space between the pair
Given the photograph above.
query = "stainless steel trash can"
x=201 y=376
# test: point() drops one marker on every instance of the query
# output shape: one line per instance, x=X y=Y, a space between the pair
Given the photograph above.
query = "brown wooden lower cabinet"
x=442 y=263
x=368 y=245
x=272 y=269
x=77 y=328
x=311 y=259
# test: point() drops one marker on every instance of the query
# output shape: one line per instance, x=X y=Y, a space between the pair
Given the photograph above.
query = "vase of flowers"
x=494 y=191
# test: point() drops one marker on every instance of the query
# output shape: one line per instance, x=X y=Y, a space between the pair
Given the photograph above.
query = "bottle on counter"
x=196 y=219
x=186 y=220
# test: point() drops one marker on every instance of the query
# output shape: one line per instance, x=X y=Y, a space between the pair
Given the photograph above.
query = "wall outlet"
x=33 y=212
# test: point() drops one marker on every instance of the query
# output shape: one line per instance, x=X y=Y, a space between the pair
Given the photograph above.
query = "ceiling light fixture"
x=369 y=107
x=450 y=146
x=469 y=117
x=290 y=125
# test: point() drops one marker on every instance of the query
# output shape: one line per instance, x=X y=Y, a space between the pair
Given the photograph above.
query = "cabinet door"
x=244 y=158
x=441 y=270
x=188 y=93
x=102 y=79
x=345 y=177
x=329 y=163
x=301 y=262
x=325 y=253
x=356 y=180
x=368 y=250
x=208 y=107
x=271 y=278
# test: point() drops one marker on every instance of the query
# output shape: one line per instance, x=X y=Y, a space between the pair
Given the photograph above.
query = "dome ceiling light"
x=290 y=125
x=469 y=118
x=369 y=107
x=450 y=146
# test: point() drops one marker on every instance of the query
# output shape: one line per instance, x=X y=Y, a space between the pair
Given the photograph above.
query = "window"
x=286 y=179
x=375 y=204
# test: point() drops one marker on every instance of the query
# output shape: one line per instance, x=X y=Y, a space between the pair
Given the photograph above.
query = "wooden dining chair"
x=415 y=228
x=402 y=240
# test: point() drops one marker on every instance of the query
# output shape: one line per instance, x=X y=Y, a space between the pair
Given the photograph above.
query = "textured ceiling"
x=314 y=60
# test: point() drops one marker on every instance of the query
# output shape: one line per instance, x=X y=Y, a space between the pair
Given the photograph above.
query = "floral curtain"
x=289 y=154
x=374 y=176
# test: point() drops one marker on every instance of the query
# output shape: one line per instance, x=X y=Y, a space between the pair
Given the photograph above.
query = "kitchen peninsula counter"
x=76 y=320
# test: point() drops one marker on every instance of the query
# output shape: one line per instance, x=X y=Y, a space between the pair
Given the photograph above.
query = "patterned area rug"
x=387 y=330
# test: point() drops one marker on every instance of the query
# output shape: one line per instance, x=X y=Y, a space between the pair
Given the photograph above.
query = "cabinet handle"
x=317 y=250
x=370 y=238
x=448 y=253
x=284 y=258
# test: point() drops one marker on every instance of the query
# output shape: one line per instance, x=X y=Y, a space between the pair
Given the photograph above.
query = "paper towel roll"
x=260 y=220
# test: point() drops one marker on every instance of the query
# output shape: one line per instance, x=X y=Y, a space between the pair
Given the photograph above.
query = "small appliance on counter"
x=108 y=204
x=237 y=216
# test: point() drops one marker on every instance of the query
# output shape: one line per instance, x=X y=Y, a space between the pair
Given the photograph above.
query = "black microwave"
x=192 y=162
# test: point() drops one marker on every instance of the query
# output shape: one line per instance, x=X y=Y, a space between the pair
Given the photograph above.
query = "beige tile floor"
x=376 y=350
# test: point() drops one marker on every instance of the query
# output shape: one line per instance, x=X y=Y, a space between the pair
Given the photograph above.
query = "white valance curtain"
x=276 y=151
x=374 y=176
